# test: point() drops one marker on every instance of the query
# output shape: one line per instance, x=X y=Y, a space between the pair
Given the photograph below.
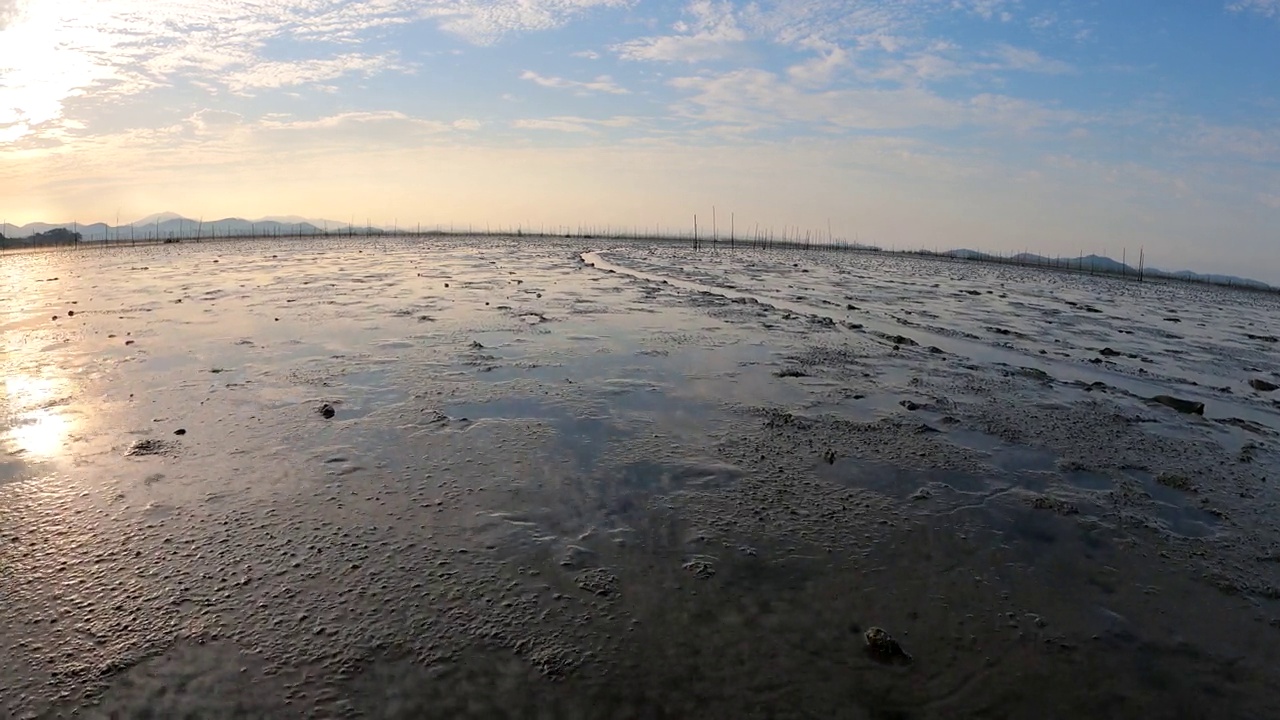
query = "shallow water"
x=563 y=481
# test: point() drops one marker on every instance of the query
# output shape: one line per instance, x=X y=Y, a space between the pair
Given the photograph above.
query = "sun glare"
x=39 y=427
x=50 y=53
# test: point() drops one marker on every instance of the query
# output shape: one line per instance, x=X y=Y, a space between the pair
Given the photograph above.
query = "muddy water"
x=645 y=483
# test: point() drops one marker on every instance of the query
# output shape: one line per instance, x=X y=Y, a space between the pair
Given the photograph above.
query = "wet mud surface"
x=492 y=478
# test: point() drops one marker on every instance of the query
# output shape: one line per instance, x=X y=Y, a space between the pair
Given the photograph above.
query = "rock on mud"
x=1177 y=482
x=326 y=411
x=882 y=647
x=1058 y=505
x=1262 y=385
x=150 y=446
x=1189 y=407
x=702 y=568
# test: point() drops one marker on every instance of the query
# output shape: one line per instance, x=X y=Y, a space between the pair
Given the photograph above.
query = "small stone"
x=326 y=411
x=882 y=647
x=180 y=431
x=71 y=313
x=1108 y=352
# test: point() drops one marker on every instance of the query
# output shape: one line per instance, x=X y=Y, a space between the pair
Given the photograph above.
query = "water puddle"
x=584 y=435
x=1010 y=458
x=897 y=482
x=1177 y=509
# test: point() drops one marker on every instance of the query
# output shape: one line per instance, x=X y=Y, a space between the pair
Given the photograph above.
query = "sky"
x=1058 y=127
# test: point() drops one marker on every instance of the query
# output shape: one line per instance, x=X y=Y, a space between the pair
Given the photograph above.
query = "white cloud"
x=1271 y=200
x=819 y=71
x=601 y=84
x=279 y=74
x=712 y=33
x=210 y=119
x=486 y=22
x=352 y=120
x=571 y=124
x=588 y=54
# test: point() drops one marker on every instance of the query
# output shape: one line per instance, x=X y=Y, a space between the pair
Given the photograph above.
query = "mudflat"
x=485 y=477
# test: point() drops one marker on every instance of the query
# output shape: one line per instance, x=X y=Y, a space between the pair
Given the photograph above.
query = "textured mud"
x=493 y=479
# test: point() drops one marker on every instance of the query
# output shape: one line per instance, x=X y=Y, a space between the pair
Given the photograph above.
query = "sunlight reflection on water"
x=40 y=426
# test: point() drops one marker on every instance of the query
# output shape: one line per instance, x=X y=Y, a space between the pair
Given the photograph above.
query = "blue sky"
x=1001 y=124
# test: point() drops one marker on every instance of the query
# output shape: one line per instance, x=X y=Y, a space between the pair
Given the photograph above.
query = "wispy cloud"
x=1008 y=57
x=279 y=74
x=763 y=99
x=486 y=22
x=354 y=119
x=601 y=84
x=819 y=71
x=571 y=124
x=1270 y=8
x=710 y=33
x=988 y=9
x=1250 y=144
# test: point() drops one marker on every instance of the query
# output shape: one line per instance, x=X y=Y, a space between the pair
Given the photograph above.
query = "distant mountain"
x=157 y=217
x=1211 y=278
x=299 y=220
x=171 y=226
x=1094 y=263
x=1101 y=264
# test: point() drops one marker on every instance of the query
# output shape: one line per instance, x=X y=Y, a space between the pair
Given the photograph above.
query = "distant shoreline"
x=1088 y=265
